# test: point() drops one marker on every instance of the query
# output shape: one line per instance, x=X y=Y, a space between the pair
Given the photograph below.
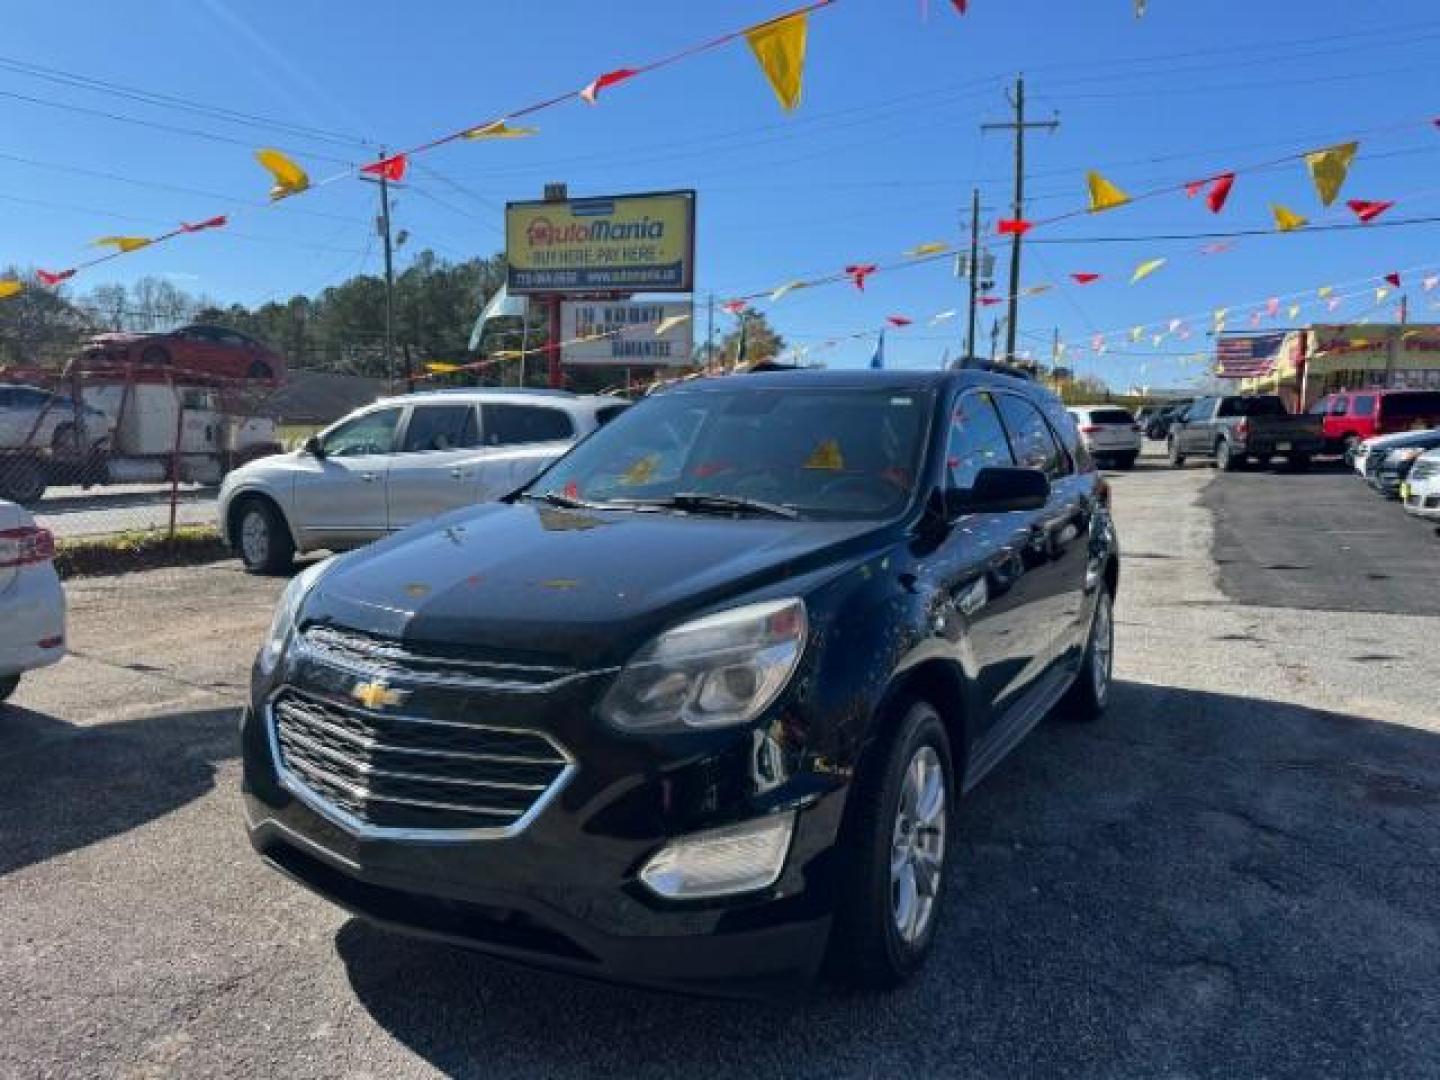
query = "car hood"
x=1427 y=439
x=577 y=588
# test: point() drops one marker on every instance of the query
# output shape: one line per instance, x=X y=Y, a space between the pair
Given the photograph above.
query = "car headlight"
x=285 y=614
x=716 y=671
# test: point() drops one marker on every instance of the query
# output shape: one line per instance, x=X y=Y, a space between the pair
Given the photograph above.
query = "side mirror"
x=314 y=447
x=999 y=491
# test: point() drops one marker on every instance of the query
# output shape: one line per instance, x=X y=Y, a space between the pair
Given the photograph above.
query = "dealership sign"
x=625 y=243
x=622 y=333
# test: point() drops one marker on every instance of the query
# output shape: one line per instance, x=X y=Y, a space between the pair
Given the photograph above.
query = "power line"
x=156 y=98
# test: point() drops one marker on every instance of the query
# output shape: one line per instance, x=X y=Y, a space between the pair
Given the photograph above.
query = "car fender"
x=279 y=491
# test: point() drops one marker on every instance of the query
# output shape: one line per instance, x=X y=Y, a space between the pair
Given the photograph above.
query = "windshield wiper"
x=555 y=498
x=700 y=502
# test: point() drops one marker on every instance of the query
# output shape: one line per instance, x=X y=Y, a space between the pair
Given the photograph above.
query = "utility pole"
x=710 y=333
x=389 y=277
x=994 y=338
x=1019 y=125
x=974 y=274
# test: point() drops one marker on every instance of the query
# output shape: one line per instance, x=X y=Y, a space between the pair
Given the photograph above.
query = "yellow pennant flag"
x=1325 y=290
x=921 y=250
x=788 y=287
x=1145 y=269
x=1293 y=311
x=439 y=367
x=1287 y=220
x=669 y=323
x=499 y=129
x=1380 y=294
x=1220 y=314
x=290 y=178
x=1157 y=339
x=508 y=354
x=11 y=287
x=1135 y=333
x=1103 y=194
x=779 y=47
x=1328 y=169
x=1035 y=290
x=123 y=243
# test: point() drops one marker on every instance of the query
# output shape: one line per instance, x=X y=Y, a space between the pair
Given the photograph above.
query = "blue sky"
x=881 y=156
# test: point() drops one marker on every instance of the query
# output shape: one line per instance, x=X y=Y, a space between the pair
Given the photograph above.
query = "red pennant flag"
x=1085 y=278
x=734 y=307
x=610 y=78
x=1393 y=279
x=47 y=278
x=990 y=301
x=217 y=222
x=898 y=320
x=1194 y=187
x=1013 y=227
x=390 y=168
x=859 y=272
x=1272 y=306
x=1367 y=211
x=1216 y=249
x=1219 y=192
x=962 y=6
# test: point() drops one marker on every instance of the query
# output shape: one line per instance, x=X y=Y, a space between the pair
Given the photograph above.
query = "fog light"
x=721 y=862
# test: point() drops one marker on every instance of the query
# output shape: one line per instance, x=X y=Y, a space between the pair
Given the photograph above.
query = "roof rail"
x=527 y=390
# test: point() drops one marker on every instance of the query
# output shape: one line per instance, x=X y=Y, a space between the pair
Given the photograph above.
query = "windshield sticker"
x=641 y=471
x=826 y=456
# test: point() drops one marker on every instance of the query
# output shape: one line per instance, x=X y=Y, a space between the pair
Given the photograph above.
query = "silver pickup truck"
x=1236 y=430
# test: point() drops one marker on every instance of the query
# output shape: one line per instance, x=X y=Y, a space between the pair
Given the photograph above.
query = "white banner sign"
x=622 y=332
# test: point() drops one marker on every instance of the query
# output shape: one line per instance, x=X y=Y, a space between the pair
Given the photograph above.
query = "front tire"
x=8 y=683
x=1173 y=454
x=262 y=539
x=1226 y=460
x=23 y=481
x=891 y=894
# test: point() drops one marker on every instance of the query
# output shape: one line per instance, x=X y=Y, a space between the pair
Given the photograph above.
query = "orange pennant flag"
x=123 y=243
x=499 y=129
x=1103 y=194
x=10 y=287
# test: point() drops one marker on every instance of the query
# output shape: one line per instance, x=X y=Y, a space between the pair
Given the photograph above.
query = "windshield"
x=829 y=453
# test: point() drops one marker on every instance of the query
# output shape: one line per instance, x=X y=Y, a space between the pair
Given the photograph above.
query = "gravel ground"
x=1234 y=874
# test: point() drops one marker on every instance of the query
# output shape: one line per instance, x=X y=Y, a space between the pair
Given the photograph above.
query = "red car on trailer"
x=213 y=351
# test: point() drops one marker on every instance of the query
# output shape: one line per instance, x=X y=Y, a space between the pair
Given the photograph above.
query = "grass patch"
x=146 y=549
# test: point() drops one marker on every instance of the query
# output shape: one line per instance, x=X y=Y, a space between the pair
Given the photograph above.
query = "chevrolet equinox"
x=695 y=708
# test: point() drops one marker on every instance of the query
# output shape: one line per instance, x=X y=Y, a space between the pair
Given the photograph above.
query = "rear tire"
x=1127 y=461
x=1226 y=460
x=893 y=884
x=8 y=683
x=262 y=539
x=1089 y=694
x=1173 y=454
x=1300 y=463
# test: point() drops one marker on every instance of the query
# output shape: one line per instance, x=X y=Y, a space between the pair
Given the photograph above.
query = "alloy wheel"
x=1102 y=648
x=917 y=850
x=255 y=538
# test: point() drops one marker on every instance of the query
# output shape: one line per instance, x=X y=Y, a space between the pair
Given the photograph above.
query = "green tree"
x=762 y=342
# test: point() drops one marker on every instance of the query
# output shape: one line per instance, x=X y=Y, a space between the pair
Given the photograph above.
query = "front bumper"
x=563 y=891
x=33 y=632
x=1422 y=499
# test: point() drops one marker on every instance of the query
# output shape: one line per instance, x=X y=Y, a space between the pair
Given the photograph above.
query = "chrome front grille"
x=408 y=777
x=432 y=665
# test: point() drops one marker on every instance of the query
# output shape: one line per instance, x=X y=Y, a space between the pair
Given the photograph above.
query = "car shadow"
x=65 y=786
x=1198 y=884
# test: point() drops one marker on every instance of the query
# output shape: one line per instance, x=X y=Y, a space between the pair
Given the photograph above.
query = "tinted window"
x=1320 y=408
x=833 y=453
x=1364 y=404
x=1031 y=442
x=511 y=425
x=1410 y=406
x=1111 y=416
x=373 y=433
x=606 y=413
x=1262 y=406
x=977 y=440
x=1340 y=407
x=440 y=427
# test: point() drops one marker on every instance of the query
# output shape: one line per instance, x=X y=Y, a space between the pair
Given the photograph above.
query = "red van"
x=1354 y=415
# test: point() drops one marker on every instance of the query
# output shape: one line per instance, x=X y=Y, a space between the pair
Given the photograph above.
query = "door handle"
x=368 y=477
x=456 y=473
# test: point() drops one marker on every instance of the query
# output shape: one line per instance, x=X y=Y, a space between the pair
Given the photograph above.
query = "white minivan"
x=32 y=603
x=397 y=462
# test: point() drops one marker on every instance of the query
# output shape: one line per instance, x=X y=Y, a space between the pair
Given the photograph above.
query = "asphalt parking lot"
x=1236 y=873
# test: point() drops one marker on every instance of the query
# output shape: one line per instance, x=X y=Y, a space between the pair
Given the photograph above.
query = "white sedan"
x=32 y=603
x=1420 y=491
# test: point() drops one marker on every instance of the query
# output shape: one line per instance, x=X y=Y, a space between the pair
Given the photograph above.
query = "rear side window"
x=1364 y=404
x=513 y=425
x=1341 y=407
x=1031 y=441
x=977 y=440
x=440 y=427
x=1111 y=416
x=1411 y=406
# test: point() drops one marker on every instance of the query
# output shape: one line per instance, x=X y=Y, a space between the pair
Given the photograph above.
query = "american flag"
x=1244 y=356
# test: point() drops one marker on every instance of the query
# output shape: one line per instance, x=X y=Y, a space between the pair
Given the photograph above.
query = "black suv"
x=702 y=699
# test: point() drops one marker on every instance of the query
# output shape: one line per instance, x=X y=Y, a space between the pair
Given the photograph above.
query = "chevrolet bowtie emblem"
x=376 y=695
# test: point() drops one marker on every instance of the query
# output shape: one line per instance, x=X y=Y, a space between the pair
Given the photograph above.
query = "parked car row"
x=1352 y=416
x=1404 y=466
